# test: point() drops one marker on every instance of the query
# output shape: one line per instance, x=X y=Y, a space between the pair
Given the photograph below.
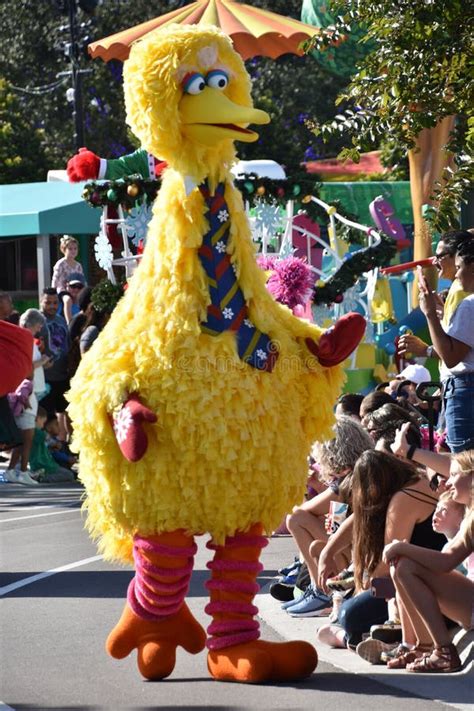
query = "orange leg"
x=156 y=619
x=235 y=651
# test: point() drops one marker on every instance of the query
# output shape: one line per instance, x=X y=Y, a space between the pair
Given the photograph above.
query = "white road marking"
x=23 y=518
x=40 y=576
x=5 y=707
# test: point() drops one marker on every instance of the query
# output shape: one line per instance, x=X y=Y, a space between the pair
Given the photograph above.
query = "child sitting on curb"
x=58 y=449
x=40 y=458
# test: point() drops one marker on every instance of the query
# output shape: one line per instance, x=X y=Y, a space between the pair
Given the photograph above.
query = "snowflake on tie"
x=137 y=223
x=248 y=323
x=122 y=423
x=222 y=215
x=220 y=246
x=228 y=313
x=261 y=354
x=234 y=268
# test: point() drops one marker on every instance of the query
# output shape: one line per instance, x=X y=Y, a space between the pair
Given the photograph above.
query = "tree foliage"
x=418 y=73
x=21 y=147
x=34 y=36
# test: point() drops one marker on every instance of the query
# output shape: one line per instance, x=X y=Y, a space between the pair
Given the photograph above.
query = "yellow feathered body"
x=230 y=444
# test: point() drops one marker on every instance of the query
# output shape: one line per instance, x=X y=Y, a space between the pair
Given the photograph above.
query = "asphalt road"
x=60 y=600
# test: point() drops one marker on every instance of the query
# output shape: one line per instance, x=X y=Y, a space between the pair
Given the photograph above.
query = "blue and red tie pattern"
x=228 y=310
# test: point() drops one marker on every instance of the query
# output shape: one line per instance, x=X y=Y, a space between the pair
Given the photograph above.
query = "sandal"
x=442 y=659
x=405 y=657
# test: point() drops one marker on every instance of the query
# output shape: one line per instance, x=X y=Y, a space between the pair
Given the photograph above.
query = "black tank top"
x=423 y=534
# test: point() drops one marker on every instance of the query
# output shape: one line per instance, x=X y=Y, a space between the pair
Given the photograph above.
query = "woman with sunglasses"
x=444 y=261
x=454 y=344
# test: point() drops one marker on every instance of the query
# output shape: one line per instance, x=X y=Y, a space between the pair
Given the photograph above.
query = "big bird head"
x=187 y=95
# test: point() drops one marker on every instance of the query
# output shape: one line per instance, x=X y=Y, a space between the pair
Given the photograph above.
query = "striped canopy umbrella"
x=254 y=32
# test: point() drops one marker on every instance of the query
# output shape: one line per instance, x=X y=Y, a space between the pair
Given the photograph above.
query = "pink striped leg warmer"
x=158 y=590
x=232 y=588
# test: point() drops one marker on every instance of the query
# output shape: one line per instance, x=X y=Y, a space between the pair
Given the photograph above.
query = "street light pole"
x=77 y=113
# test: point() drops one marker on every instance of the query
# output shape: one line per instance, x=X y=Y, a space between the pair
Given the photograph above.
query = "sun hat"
x=415 y=373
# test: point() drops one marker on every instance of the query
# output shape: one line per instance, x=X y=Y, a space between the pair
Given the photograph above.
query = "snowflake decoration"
x=248 y=323
x=103 y=251
x=234 y=268
x=137 y=223
x=220 y=247
x=351 y=298
x=268 y=219
x=228 y=313
x=261 y=354
x=122 y=423
x=222 y=215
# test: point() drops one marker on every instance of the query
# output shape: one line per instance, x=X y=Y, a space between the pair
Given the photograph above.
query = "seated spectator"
x=65 y=266
x=69 y=306
x=349 y=404
x=372 y=402
x=49 y=471
x=306 y=523
x=383 y=423
x=429 y=586
x=390 y=499
x=58 y=449
x=95 y=322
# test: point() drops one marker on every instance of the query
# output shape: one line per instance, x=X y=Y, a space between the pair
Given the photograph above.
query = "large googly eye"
x=217 y=79
x=194 y=83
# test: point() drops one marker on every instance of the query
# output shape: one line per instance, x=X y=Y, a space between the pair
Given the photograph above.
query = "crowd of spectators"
x=385 y=537
x=393 y=568
x=34 y=427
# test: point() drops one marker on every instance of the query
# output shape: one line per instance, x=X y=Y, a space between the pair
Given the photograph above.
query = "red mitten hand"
x=337 y=343
x=83 y=166
x=128 y=428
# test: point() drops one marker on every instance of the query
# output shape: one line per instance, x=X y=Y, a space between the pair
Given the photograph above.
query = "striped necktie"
x=228 y=310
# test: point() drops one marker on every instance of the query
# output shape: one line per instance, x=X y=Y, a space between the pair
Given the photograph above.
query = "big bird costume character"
x=214 y=390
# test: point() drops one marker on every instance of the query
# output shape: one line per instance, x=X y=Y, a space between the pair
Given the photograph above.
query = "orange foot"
x=156 y=642
x=260 y=661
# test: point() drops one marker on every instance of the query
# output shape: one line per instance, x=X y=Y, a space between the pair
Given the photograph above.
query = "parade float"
x=348 y=260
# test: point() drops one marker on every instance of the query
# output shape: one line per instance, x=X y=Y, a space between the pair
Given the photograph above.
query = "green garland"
x=134 y=190
x=355 y=264
x=105 y=296
x=128 y=192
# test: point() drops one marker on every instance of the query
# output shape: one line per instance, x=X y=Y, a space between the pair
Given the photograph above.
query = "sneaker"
x=11 y=475
x=371 y=650
x=389 y=632
x=25 y=478
x=298 y=595
x=282 y=592
x=292 y=568
x=315 y=603
x=343 y=581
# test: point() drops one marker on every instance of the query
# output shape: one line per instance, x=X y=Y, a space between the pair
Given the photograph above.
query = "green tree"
x=21 y=146
x=34 y=55
x=417 y=75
